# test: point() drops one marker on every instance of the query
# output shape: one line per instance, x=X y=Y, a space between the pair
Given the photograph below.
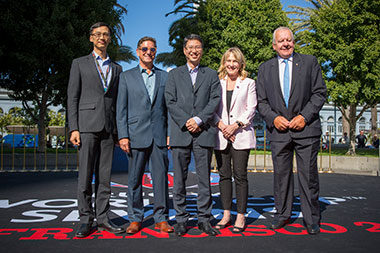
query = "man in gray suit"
x=91 y=106
x=291 y=92
x=192 y=96
x=142 y=127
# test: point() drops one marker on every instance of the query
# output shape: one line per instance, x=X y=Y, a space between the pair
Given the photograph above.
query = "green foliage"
x=228 y=23
x=345 y=37
x=56 y=118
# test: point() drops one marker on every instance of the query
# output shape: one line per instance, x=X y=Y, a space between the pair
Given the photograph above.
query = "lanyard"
x=101 y=72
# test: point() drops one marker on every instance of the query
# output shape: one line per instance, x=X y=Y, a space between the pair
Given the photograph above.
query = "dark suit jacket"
x=184 y=102
x=90 y=109
x=137 y=118
x=307 y=96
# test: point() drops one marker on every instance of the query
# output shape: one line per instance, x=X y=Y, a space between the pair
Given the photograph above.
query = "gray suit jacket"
x=184 y=102
x=307 y=96
x=89 y=108
x=137 y=118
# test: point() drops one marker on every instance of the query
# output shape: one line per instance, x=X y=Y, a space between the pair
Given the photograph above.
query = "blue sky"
x=147 y=18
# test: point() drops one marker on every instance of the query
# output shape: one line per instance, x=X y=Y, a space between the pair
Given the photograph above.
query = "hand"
x=229 y=130
x=281 y=123
x=192 y=126
x=168 y=142
x=124 y=145
x=297 y=123
x=221 y=125
x=232 y=138
x=75 y=138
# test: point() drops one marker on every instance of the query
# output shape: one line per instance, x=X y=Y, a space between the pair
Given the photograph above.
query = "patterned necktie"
x=286 y=83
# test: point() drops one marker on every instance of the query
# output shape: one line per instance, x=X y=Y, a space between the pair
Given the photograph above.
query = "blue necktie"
x=286 y=83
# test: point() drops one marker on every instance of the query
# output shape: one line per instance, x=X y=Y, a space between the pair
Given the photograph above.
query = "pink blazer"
x=243 y=108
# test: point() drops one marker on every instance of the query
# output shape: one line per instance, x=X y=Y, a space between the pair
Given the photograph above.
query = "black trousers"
x=306 y=151
x=239 y=170
x=95 y=157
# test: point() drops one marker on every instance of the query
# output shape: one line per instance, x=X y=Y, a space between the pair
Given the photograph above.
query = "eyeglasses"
x=196 y=48
x=99 y=35
x=145 y=49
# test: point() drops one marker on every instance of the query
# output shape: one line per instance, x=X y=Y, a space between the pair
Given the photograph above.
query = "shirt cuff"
x=198 y=120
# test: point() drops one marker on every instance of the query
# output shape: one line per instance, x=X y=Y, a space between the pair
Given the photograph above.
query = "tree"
x=223 y=24
x=40 y=40
x=345 y=36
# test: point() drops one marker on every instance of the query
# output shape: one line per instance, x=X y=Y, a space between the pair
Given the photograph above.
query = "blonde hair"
x=236 y=52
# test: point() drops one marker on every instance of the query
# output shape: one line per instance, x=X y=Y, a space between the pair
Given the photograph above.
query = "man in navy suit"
x=291 y=92
x=91 y=105
x=142 y=130
x=192 y=97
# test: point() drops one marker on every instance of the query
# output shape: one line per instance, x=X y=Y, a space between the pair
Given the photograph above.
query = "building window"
x=362 y=124
x=330 y=125
x=340 y=125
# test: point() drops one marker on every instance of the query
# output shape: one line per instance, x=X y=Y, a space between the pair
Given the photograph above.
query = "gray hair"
x=278 y=29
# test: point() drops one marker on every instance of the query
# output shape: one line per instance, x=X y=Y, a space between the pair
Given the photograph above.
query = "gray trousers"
x=138 y=159
x=239 y=170
x=181 y=160
x=306 y=151
x=95 y=157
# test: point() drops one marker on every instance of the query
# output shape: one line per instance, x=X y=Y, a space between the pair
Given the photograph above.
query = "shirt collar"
x=142 y=70
x=97 y=57
x=195 y=70
x=282 y=59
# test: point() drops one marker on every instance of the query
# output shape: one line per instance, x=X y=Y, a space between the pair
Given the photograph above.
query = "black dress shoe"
x=180 y=229
x=313 y=229
x=110 y=227
x=279 y=224
x=206 y=227
x=84 y=230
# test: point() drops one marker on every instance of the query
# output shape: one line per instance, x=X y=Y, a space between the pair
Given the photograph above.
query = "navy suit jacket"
x=307 y=96
x=185 y=101
x=139 y=119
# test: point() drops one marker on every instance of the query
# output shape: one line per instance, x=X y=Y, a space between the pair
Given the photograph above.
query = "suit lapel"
x=94 y=71
x=113 y=76
x=200 y=79
x=140 y=81
x=235 y=94
x=295 y=73
x=188 y=84
x=276 y=79
x=156 y=84
x=223 y=84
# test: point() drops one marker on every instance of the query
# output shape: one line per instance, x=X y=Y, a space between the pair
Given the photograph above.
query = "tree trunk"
x=41 y=122
x=352 y=125
x=345 y=123
x=373 y=120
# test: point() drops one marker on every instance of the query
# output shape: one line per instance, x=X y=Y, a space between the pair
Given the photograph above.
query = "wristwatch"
x=239 y=124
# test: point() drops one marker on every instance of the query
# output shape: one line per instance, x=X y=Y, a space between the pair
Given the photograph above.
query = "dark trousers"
x=181 y=160
x=95 y=157
x=239 y=160
x=306 y=151
x=138 y=160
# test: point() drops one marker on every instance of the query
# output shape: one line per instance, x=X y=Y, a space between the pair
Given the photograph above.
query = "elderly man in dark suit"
x=142 y=127
x=192 y=97
x=291 y=92
x=91 y=106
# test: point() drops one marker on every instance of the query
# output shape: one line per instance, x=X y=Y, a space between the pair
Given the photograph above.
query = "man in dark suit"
x=142 y=127
x=192 y=96
x=91 y=106
x=291 y=92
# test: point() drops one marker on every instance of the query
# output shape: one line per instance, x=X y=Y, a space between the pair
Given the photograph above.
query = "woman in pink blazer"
x=234 y=119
